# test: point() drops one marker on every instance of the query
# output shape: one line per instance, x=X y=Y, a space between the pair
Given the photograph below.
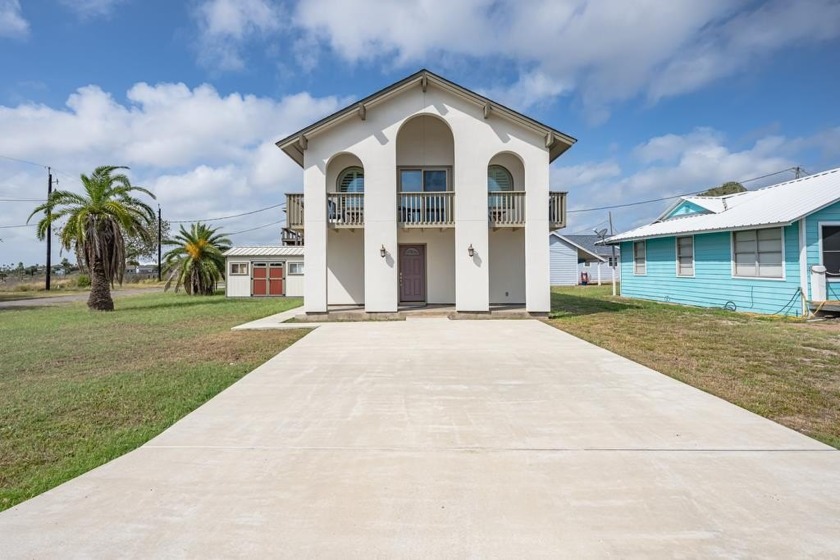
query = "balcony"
x=506 y=209
x=426 y=209
x=556 y=210
x=294 y=211
x=344 y=210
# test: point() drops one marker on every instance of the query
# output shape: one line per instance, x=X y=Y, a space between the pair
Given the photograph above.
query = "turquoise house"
x=774 y=250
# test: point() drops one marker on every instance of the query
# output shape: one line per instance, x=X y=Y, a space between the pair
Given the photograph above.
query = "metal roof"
x=586 y=243
x=776 y=205
x=264 y=252
x=557 y=142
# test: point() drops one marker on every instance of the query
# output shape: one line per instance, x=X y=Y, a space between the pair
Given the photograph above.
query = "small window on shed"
x=238 y=268
x=295 y=268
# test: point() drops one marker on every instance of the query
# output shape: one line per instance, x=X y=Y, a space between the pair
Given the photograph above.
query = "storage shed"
x=264 y=272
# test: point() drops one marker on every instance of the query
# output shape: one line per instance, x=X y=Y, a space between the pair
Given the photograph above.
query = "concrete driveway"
x=449 y=439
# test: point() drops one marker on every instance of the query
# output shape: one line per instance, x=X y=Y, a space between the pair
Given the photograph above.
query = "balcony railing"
x=294 y=211
x=506 y=208
x=426 y=209
x=346 y=210
x=556 y=210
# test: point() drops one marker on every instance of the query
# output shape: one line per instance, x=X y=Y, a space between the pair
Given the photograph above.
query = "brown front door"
x=413 y=273
x=275 y=279
x=259 y=274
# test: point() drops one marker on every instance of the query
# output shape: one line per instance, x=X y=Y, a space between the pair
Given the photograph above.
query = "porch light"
x=470 y=250
x=382 y=252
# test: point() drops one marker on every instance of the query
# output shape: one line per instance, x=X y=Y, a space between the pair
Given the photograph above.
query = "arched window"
x=499 y=179
x=352 y=180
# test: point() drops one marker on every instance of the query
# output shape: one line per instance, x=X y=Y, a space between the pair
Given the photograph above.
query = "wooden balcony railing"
x=506 y=208
x=346 y=210
x=426 y=209
x=556 y=210
x=294 y=211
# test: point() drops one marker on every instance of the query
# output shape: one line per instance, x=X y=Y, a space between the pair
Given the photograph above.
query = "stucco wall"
x=507 y=266
x=476 y=141
x=713 y=284
x=440 y=262
x=346 y=267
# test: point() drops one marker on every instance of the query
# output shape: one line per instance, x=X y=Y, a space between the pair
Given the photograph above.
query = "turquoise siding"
x=812 y=237
x=685 y=208
x=712 y=284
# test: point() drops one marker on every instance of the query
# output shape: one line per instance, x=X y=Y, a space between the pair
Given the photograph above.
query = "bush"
x=83 y=281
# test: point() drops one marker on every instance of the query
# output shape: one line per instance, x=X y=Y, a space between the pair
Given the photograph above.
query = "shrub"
x=83 y=281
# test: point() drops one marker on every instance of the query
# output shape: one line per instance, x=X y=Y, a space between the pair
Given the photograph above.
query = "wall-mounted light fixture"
x=382 y=252
x=470 y=250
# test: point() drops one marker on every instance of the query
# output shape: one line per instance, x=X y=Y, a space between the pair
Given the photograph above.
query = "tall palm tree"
x=97 y=222
x=197 y=261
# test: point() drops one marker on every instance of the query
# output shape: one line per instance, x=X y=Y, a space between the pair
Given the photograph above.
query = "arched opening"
x=506 y=214
x=425 y=154
x=345 y=232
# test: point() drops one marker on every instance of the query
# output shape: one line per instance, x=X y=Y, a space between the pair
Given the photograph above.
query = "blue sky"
x=663 y=97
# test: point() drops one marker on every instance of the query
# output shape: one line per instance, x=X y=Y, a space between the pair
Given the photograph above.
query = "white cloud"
x=89 y=9
x=605 y=51
x=205 y=155
x=672 y=165
x=226 y=26
x=12 y=23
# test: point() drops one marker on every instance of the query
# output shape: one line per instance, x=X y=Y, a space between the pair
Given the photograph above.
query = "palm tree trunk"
x=100 y=289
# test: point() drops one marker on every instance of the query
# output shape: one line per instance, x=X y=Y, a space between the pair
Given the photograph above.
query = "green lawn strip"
x=784 y=370
x=78 y=389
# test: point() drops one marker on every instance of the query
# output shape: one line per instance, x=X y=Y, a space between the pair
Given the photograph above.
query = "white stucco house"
x=426 y=193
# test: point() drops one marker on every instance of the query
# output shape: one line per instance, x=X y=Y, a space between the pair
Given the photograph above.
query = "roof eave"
x=558 y=144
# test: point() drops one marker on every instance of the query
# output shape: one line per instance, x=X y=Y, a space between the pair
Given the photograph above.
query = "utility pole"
x=49 y=230
x=160 y=241
x=797 y=171
x=613 y=255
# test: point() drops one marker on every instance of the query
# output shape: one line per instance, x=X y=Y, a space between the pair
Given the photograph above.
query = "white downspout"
x=803 y=267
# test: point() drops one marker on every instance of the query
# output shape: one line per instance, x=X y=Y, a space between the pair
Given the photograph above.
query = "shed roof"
x=776 y=205
x=557 y=142
x=589 y=253
x=275 y=251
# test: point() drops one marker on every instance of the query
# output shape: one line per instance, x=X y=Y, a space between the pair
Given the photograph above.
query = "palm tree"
x=197 y=262
x=97 y=222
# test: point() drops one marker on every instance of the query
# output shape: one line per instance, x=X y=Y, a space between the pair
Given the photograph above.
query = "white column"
x=381 y=274
x=537 y=261
x=315 y=234
x=472 y=274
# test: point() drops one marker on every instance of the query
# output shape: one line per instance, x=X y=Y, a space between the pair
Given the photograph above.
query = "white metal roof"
x=776 y=205
x=276 y=251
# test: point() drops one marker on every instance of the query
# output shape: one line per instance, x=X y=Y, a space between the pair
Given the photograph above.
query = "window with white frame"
x=613 y=261
x=238 y=268
x=640 y=257
x=758 y=253
x=685 y=256
x=295 y=268
x=830 y=241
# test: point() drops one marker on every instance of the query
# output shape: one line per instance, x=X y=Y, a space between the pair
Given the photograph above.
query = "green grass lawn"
x=79 y=388
x=785 y=370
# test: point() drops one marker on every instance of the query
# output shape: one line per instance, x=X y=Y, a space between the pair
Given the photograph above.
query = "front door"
x=413 y=273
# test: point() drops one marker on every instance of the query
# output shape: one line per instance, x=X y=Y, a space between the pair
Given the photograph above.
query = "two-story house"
x=426 y=192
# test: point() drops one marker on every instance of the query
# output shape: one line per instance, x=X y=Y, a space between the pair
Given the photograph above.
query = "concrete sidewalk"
x=449 y=439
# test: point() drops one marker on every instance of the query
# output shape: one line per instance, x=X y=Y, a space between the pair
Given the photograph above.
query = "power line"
x=23 y=161
x=255 y=228
x=672 y=197
x=22 y=200
x=228 y=217
x=19 y=226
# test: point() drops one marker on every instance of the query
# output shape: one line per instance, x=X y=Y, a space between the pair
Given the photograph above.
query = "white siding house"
x=426 y=192
x=264 y=272
x=574 y=255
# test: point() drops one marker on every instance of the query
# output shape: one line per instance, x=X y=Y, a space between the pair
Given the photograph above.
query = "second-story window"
x=423 y=180
x=499 y=179
x=351 y=180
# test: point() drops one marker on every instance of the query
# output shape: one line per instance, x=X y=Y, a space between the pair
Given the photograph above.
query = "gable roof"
x=585 y=243
x=557 y=142
x=776 y=205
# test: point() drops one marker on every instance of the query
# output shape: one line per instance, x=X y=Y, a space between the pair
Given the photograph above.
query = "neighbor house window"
x=640 y=257
x=758 y=253
x=685 y=256
x=295 y=268
x=830 y=237
x=238 y=268
x=613 y=261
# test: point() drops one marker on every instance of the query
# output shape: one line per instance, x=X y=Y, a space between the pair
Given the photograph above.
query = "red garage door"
x=275 y=279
